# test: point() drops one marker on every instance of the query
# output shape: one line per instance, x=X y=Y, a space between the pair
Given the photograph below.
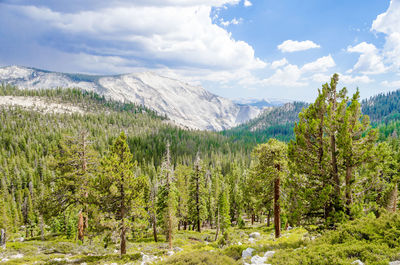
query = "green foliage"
x=201 y=258
x=373 y=241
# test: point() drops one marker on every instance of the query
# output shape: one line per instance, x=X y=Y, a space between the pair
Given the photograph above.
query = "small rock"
x=83 y=263
x=257 y=260
x=255 y=235
x=269 y=254
x=357 y=262
x=251 y=240
x=170 y=253
x=397 y=262
x=239 y=243
x=289 y=228
x=247 y=252
x=21 y=239
x=17 y=256
x=178 y=249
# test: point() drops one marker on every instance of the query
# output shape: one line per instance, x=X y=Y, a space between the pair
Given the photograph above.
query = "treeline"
x=117 y=174
x=334 y=170
x=39 y=157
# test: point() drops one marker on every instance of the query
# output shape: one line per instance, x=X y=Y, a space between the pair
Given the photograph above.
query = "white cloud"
x=289 y=76
x=370 y=60
x=247 y=3
x=179 y=33
x=294 y=46
x=389 y=24
x=279 y=63
x=320 y=65
x=345 y=79
x=234 y=21
x=391 y=84
x=348 y=79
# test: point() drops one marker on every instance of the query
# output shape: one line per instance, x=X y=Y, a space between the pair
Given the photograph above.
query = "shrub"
x=200 y=258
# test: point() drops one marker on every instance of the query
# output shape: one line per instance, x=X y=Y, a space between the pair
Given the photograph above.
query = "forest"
x=121 y=184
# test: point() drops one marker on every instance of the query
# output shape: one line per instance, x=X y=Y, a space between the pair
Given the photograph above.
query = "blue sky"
x=235 y=48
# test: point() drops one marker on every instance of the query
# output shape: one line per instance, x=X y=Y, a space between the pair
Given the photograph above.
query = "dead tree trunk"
x=277 y=207
x=3 y=238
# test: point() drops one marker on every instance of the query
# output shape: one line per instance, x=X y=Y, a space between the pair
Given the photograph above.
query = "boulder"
x=257 y=260
x=255 y=235
x=247 y=252
x=269 y=254
x=357 y=262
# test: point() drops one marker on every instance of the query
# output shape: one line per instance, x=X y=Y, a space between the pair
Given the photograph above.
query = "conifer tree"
x=75 y=164
x=355 y=143
x=167 y=197
x=272 y=165
x=197 y=204
x=223 y=209
x=182 y=174
x=119 y=191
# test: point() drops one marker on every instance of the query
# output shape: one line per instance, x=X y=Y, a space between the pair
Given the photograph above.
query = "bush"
x=200 y=258
x=235 y=251
x=371 y=240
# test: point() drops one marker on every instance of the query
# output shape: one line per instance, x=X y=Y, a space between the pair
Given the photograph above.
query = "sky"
x=234 y=48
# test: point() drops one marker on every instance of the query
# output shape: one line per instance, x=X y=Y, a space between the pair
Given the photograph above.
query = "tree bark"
x=216 y=232
x=2 y=238
x=198 y=202
x=155 y=227
x=81 y=225
x=41 y=228
x=349 y=173
x=277 y=207
x=335 y=175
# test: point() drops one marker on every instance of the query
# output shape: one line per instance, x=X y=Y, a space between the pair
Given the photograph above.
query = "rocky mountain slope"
x=186 y=105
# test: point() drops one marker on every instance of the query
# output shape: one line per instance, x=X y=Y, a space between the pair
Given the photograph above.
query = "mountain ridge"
x=187 y=105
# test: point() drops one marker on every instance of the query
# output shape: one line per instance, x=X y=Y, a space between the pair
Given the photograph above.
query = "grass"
x=372 y=240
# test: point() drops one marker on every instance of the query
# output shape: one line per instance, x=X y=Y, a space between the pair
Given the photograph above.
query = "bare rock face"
x=186 y=105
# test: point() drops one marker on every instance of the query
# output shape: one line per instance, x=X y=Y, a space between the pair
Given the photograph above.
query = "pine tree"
x=197 y=203
x=119 y=191
x=75 y=164
x=182 y=175
x=223 y=209
x=355 y=143
x=272 y=164
x=167 y=197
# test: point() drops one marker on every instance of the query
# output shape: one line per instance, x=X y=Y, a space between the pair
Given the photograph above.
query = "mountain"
x=383 y=110
x=275 y=122
x=261 y=103
x=187 y=105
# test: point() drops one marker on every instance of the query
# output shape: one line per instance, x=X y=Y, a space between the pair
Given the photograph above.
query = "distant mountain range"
x=186 y=105
x=261 y=103
x=278 y=122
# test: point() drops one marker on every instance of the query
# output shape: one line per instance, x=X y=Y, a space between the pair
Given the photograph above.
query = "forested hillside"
x=118 y=183
x=383 y=110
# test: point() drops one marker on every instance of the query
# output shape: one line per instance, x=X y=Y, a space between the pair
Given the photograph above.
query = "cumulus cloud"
x=279 y=63
x=247 y=3
x=388 y=23
x=294 y=46
x=234 y=21
x=345 y=79
x=391 y=84
x=155 y=34
x=320 y=65
x=370 y=60
x=288 y=76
